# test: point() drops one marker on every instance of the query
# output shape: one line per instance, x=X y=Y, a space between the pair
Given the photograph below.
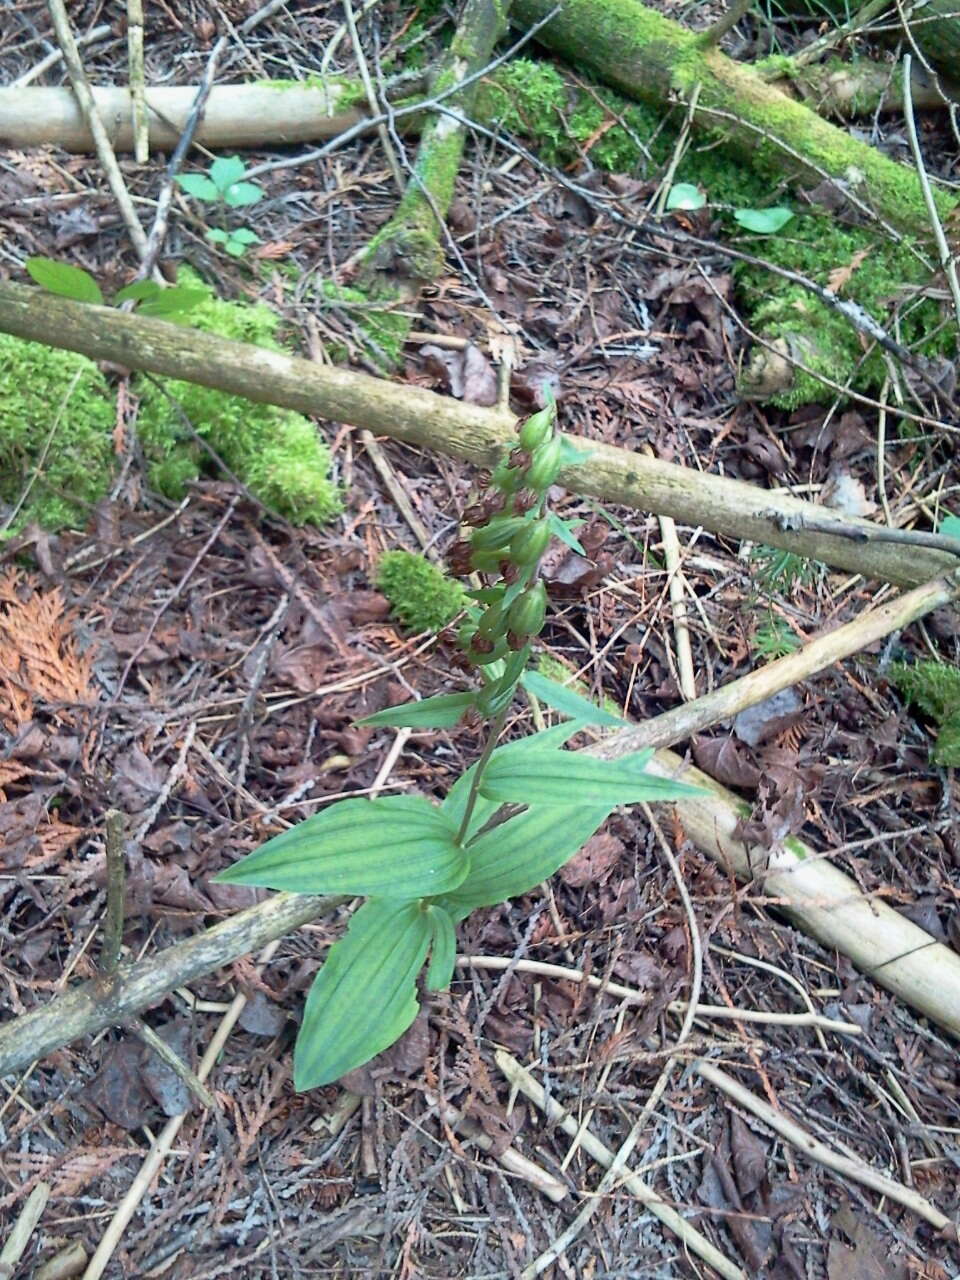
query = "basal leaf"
x=199 y=186
x=684 y=195
x=176 y=300
x=64 y=280
x=365 y=996
x=566 y=701
x=443 y=948
x=138 y=291
x=245 y=236
x=441 y=712
x=517 y=855
x=763 y=221
x=561 y=777
x=400 y=846
x=225 y=171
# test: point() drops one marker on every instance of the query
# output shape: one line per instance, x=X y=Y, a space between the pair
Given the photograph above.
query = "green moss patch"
x=934 y=688
x=56 y=420
x=421 y=596
x=277 y=453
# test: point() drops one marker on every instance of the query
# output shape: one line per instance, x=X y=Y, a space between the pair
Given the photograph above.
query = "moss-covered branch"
x=655 y=60
x=460 y=430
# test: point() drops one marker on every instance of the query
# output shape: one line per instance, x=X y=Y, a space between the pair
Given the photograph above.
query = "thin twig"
x=55 y=56
x=803 y=1140
x=698 y=1243
x=948 y=263
x=135 y=75
x=116 y=892
x=18 y=1238
x=174 y=1062
x=81 y=88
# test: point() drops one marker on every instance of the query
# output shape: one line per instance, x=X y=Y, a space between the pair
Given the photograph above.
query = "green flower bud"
x=530 y=544
x=536 y=429
x=545 y=467
x=491 y=622
x=529 y=611
x=506 y=478
x=497 y=533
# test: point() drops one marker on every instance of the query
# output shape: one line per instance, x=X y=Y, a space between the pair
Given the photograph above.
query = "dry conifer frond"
x=41 y=666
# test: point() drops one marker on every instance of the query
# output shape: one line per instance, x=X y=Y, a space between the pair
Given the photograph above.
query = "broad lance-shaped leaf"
x=64 y=280
x=443 y=948
x=456 y=801
x=561 y=777
x=566 y=701
x=365 y=996
x=401 y=846
x=518 y=855
x=441 y=712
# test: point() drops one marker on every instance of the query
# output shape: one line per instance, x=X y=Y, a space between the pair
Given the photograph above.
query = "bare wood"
x=141 y=142
x=461 y=430
x=803 y=1140
x=683 y=721
x=19 y=1236
x=237 y=115
x=102 y=1003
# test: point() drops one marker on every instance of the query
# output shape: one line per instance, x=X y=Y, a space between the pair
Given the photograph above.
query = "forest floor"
x=199 y=667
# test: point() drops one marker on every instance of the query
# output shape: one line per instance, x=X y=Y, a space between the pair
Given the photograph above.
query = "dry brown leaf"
x=840 y=276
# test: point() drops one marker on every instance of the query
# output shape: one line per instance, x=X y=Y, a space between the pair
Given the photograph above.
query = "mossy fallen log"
x=650 y=58
x=460 y=430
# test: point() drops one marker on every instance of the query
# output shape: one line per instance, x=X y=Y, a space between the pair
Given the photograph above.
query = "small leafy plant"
x=224 y=186
x=686 y=197
x=153 y=299
x=510 y=821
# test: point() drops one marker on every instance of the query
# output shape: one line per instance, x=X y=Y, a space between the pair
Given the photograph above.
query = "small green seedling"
x=684 y=196
x=73 y=282
x=224 y=185
x=509 y=822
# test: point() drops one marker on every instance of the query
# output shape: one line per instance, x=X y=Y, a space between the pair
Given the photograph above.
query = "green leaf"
x=365 y=997
x=563 y=529
x=684 y=195
x=519 y=854
x=400 y=845
x=765 y=222
x=557 y=777
x=454 y=806
x=443 y=948
x=245 y=236
x=441 y=712
x=138 y=291
x=235 y=248
x=174 y=301
x=216 y=236
x=225 y=171
x=572 y=456
x=64 y=280
x=242 y=193
x=950 y=527
x=199 y=186
x=566 y=701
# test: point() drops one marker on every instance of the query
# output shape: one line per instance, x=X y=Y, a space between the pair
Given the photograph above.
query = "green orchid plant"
x=509 y=822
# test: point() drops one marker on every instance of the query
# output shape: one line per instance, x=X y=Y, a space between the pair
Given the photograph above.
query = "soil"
x=199 y=667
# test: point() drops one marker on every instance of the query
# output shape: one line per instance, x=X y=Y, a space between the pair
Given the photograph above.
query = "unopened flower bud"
x=537 y=428
x=528 y=612
x=530 y=543
x=545 y=467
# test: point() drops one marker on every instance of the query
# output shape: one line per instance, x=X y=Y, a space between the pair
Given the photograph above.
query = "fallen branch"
x=477 y=435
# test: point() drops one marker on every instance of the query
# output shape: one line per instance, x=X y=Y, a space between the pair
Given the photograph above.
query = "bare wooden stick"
x=461 y=430
x=174 y=1062
x=16 y=1242
x=556 y=1114
x=63 y=1265
x=116 y=885
x=101 y=1003
x=78 y=79
x=682 y=722
x=803 y=1140
x=51 y=60
x=141 y=140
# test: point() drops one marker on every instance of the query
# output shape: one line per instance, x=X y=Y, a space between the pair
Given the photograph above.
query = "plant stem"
x=496 y=728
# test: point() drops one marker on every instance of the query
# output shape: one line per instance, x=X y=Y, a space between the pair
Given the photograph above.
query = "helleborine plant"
x=516 y=815
x=225 y=186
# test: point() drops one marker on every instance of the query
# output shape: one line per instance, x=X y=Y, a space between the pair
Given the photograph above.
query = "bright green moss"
x=422 y=596
x=277 y=453
x=934 y=687
x=65 y=468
